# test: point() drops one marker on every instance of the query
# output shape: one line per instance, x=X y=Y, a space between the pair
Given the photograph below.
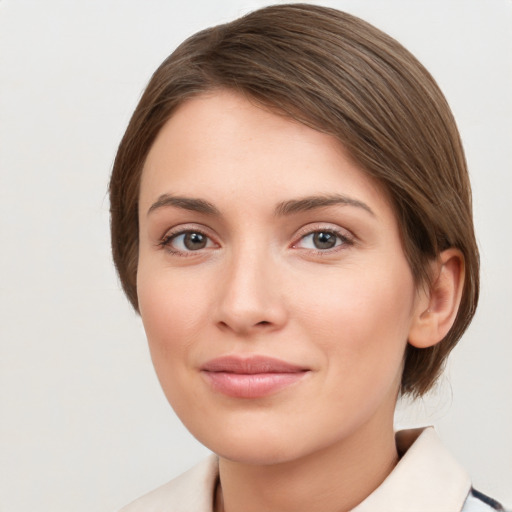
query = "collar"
x=427 y=477
x=192 y=491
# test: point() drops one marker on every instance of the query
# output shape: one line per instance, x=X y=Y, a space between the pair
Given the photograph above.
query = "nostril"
x=263 y=322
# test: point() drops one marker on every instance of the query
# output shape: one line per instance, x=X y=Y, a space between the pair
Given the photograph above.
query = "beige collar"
x=426 y=479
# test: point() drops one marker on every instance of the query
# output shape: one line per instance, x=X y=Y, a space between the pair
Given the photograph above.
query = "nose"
x=251 y=295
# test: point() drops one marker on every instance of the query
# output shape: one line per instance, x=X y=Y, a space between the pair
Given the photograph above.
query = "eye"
x=186 y=241
x=322 y=240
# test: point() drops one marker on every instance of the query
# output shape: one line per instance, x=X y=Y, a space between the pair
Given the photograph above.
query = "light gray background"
x=84 y=425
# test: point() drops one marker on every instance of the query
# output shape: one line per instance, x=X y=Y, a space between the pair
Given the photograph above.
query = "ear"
x=436 y=307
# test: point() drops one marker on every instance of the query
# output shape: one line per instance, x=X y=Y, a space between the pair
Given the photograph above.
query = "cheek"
x=171 y=305
x=172 y=311
x=361 y=321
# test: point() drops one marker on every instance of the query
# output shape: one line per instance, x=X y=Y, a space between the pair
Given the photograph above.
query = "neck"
x=335 y=479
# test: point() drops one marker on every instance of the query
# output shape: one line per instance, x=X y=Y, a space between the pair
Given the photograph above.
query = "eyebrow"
x=282 y=209
x=185 y=203
x=312 y=202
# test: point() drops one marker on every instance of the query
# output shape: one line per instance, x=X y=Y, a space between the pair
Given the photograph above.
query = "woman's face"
x=272 y=284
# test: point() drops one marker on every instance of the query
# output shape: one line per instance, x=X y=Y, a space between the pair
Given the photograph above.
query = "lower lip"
x=245 y=385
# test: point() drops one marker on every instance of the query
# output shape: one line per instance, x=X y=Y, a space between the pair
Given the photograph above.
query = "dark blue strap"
x=488 y=501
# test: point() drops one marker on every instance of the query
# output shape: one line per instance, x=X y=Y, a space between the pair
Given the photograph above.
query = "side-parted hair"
x=341 y=76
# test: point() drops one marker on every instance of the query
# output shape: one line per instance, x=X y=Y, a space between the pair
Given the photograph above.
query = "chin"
x=257 y=452
x=264 y=441
x=254 y=440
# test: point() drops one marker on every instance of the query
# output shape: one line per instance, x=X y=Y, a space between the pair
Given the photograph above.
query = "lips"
x=252 y=377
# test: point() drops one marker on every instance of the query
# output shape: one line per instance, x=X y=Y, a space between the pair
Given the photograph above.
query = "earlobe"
x=437 y=307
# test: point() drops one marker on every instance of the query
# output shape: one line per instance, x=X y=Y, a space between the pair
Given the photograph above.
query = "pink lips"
x=252 y=377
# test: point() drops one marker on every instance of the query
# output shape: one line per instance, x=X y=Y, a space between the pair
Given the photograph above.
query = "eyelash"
x=345 y=241
x=167 y=239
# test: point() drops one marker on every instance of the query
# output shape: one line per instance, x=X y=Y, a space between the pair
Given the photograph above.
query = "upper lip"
x=250 y=365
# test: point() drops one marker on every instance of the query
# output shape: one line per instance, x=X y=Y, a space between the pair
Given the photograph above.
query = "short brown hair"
x=342 y=76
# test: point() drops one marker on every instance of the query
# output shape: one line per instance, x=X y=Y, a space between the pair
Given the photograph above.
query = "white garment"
x=426 y=479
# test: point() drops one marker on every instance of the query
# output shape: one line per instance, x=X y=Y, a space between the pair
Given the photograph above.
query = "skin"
x=260 y=286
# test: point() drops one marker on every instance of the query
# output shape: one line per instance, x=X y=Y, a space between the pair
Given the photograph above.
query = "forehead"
x=220 y=144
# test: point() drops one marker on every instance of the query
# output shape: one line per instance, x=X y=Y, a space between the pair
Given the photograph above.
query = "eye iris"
x=324 y=240
x=194 y=241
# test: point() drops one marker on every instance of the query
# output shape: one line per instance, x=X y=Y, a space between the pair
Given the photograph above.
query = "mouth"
x=251 y=377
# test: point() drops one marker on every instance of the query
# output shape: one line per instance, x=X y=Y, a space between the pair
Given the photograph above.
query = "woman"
x=291 y=216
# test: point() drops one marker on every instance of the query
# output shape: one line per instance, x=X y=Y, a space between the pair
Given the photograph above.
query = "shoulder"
x=192 y=491
x=479 y=502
